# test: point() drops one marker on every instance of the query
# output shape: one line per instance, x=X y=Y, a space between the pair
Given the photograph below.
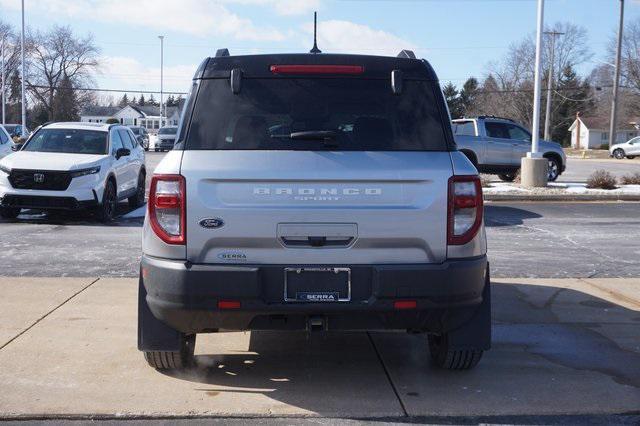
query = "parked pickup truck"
x=496 y=145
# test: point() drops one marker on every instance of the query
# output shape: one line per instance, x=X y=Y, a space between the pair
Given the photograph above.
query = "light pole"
x=616 y=80
x=547 y=115
x=161 y=37
x=24 y=104
x=535 y=168
x=3 y=101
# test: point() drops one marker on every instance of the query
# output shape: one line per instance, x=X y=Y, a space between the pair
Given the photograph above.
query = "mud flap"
x=153 y=334
x=476 y=333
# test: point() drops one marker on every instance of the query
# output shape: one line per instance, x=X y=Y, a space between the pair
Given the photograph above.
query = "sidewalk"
x=570 y=346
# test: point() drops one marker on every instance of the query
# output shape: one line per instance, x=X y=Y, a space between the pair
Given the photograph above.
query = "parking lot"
x=560 y=347
x=566 y=298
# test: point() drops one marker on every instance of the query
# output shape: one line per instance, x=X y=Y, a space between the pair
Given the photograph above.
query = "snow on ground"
x=558 y=188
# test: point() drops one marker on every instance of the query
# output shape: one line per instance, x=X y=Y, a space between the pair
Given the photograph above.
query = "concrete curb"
x=561 y=197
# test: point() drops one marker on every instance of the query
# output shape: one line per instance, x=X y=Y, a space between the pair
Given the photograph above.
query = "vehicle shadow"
x=579 y=348
x=125 y=216
x=498 y=216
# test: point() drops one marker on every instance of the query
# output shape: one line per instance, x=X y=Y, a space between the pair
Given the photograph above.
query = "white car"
x=68 y=166
x=5 y=143
x=628 y=149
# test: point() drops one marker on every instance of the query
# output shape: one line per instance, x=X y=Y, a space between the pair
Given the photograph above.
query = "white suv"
x=629 y=149
x=68 y=166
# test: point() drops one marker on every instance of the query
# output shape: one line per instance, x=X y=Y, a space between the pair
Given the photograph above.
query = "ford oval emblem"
x=214 y=222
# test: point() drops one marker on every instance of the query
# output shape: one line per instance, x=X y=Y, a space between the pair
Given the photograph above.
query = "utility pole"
x=547 y=115
x=616 y=79
x=534 y=167
x=3 y=100
x=24 y=103
x=161 y=37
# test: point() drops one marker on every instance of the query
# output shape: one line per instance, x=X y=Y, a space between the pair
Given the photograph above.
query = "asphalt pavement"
x=534 y=240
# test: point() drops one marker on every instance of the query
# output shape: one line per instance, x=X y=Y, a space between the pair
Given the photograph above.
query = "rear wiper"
x=326 y=136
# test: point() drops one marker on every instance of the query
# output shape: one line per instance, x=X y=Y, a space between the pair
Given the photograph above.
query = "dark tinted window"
x=135 y=130
x=359 y=114
x=496 y=130
x=13 y=129
x=70 y=141
x=116 y=142
x=168 y=131
x=518 y=133
x=126 y=141
x=464 y=128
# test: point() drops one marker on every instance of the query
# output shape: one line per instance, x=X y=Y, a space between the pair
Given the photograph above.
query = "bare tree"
x=508 y=90
x=56 y=56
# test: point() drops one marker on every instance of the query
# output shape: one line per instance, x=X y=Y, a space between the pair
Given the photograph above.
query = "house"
x=594 y=132
x=97 y=114
x=133 y=115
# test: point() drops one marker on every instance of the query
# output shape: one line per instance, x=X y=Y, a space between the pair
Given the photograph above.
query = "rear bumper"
x=185 y=296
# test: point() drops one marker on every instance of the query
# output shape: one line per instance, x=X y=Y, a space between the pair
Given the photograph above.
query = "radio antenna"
x=315 y=33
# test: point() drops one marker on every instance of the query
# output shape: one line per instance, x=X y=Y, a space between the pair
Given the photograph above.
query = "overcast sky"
x=458 y=37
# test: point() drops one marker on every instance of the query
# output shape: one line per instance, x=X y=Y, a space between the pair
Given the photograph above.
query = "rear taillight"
x=167 y=213
x=465 y=209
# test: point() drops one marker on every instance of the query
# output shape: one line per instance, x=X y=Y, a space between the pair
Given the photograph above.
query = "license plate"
x=317 y=285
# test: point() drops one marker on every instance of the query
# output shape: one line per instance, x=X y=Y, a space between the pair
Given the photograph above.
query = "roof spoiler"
x=407 y=54
x=222 y=52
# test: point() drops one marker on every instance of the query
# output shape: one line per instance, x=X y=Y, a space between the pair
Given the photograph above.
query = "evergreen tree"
x=571 y=96
x=14 y=101
x=468 y=96
x=141 y=101
x=65 y=102
x=170 y=101
x=451 y=95
x=134 y=101
x=152 y=101
x=124 y=101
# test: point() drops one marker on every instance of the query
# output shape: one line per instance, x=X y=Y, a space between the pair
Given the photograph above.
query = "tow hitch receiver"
x=317 y=324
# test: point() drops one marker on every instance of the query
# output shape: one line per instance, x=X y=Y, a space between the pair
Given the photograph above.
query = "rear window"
x=168 y=131
x=466 y=128
x=317 y=114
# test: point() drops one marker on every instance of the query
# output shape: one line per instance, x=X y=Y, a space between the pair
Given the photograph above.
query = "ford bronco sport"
x=315 y=192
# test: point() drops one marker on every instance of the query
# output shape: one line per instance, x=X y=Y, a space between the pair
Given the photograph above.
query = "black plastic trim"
x=185 y=295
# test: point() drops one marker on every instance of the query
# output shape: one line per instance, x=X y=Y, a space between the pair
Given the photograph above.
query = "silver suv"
x=315 y=192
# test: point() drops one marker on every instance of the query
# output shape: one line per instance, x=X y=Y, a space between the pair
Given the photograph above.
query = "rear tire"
x=507 y=177
x=165 y=360
x=9 y=212
x=554 y=169
x=137 y=200
x=445 y=357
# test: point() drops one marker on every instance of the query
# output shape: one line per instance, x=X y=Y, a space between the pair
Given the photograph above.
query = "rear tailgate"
x=315 y=207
